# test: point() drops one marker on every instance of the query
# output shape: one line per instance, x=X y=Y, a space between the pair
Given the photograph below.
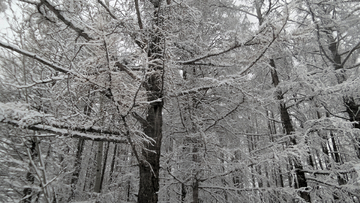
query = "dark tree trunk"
x=29 y=175
x=150 y=161
x=77 y=164
x=195 y=191
x=112 y=165
x=289 y=129
x=149 y=167
x=104 y=165
x=99 y=161
x=183 y=192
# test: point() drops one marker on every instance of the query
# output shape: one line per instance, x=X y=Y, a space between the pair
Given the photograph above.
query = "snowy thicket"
x=180 y=101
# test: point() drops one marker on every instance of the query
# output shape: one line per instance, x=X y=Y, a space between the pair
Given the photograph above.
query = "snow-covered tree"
x=180 y=101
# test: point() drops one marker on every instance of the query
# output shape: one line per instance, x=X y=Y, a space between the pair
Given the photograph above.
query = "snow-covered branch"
x=84 y=133
x=235 y=46
x=127 y=70
x=193 y=90
x=19 y=115
x=67 y=21
x=41 y=60
x=53 y=79
x=107 y=9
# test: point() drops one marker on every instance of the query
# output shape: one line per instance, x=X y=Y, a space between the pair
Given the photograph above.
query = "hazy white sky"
x=3 y=23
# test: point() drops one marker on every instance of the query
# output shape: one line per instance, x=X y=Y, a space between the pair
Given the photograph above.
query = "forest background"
x=180 y=101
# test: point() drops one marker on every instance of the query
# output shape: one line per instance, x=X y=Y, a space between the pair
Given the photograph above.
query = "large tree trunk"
x=150 y=161
x=149 y=167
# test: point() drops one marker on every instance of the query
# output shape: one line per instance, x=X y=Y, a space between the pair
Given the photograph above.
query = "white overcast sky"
x=3 y=23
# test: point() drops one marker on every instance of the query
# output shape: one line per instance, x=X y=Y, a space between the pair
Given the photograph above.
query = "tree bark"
x=150 y=161
x=149 y=167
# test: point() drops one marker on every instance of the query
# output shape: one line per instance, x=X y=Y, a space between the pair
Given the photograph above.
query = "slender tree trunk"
x=112 y=165
x=28 y=191
x=89 y=171
x=183 y=192
x=99 y=158
x=104 y=165
x=77 y=168
x=195 y=159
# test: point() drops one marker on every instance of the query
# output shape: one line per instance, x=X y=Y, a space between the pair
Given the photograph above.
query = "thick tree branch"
x=107 y=9
x=29 y=2
x=83 y=133
x=127 y=70
x=357 y=46
x=193 y=90
x=328 y=172
x=142 y=121
x=67 y=21
x=343 y=187
x=41 y=60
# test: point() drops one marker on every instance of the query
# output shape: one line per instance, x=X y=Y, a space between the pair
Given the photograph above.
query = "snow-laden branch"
x=55 y=67
x=107 y=9
x=239 y=189
x=265 y=50
x=193 y=90
x=34 y=56
x=235 y=46
x=67 y=21
x=344 y=188
x=68 y=132
x=226 y=115
x=18 y=114
x=53 y=79
x=127 y=70
x=329 y=172
x=29 y=2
